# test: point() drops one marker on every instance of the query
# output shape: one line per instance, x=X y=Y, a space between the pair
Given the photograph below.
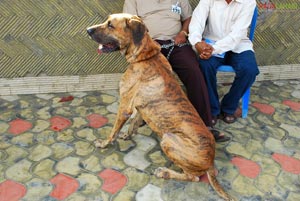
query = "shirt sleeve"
x=130 y=7
x=198 y=21
x=186 y=9
x=238 y=31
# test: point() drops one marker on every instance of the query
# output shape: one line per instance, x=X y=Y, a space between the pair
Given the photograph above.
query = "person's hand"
x=180 y=38
x=204 y=50
x=206 y=54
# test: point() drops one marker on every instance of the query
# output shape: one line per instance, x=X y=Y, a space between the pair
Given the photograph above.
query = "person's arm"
x=181 y=37
x=130 y=7
x=198 y=21
x=185 y=26
x=238 y=30
x=186 y=14
x=196 y=29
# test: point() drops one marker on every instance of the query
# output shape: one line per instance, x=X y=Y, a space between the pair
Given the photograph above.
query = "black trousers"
x=185 y=64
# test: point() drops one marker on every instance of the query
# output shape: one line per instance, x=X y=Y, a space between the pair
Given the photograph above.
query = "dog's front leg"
x=135 y=123
x=124 y=112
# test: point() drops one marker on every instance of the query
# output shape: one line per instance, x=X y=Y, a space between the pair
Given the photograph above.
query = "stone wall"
x=48 y=37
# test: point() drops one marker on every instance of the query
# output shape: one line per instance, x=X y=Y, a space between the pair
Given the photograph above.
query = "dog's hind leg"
x=185 y=154
x=165 y=173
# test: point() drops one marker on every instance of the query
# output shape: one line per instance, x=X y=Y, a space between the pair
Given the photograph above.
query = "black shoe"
x=219 y=137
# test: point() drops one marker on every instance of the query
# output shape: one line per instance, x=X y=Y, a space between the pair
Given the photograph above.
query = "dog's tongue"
x=99 y=50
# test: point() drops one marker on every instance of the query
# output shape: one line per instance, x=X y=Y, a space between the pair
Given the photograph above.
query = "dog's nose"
x=91 y=31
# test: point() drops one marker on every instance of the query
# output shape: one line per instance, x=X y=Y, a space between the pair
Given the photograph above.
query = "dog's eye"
x=109 y=25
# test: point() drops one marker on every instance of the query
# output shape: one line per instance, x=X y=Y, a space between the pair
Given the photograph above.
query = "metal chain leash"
x=172 y=45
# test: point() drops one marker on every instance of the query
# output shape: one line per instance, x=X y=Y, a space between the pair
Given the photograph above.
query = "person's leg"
x=209 y=69
x=184 y=62
x=246 y=70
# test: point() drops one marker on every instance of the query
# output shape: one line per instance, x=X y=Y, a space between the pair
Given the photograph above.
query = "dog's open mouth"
x=108 y=47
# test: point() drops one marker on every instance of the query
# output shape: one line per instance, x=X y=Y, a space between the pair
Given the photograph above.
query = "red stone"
x=19 y=126
x=59 y=123
x=287 y=163
x=11 y=191
x=64 y=186
x=293 y=105
x=113 y=181
x=246 y=167
x=264 y=108
x=96 y=120
x=66 y=99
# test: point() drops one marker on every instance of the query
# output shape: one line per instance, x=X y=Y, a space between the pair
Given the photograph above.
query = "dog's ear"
x=137 y=28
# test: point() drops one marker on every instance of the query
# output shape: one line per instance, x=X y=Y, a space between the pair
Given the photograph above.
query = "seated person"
x=225 y=23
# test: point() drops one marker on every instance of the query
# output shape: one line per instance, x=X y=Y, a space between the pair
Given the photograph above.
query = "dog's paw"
x=195 y=178
x=124 y=136
x=162 y=172
x=101 y=143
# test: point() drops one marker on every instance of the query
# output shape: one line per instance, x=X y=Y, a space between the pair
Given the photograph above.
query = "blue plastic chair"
x=226 y=68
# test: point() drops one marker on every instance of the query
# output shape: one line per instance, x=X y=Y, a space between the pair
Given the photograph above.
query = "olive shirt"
x=162 y=22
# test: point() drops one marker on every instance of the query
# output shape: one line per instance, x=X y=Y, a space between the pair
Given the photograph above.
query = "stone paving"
x=47 y=152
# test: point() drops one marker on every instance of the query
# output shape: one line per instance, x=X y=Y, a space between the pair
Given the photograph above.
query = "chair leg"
x=245 y=103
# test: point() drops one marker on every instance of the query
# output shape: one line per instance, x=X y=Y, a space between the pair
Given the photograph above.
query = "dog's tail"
x=216 y=186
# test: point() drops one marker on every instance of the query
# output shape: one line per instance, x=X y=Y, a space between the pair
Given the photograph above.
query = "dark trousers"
x=246 y=69
x=184 y=62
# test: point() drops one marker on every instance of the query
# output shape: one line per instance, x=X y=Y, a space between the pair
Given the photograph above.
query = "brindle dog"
x=149 y=86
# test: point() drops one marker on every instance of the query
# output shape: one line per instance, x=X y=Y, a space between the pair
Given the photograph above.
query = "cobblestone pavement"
x=47 y=152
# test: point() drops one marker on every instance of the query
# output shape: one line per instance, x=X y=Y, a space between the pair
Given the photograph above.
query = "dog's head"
x=118 y=32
